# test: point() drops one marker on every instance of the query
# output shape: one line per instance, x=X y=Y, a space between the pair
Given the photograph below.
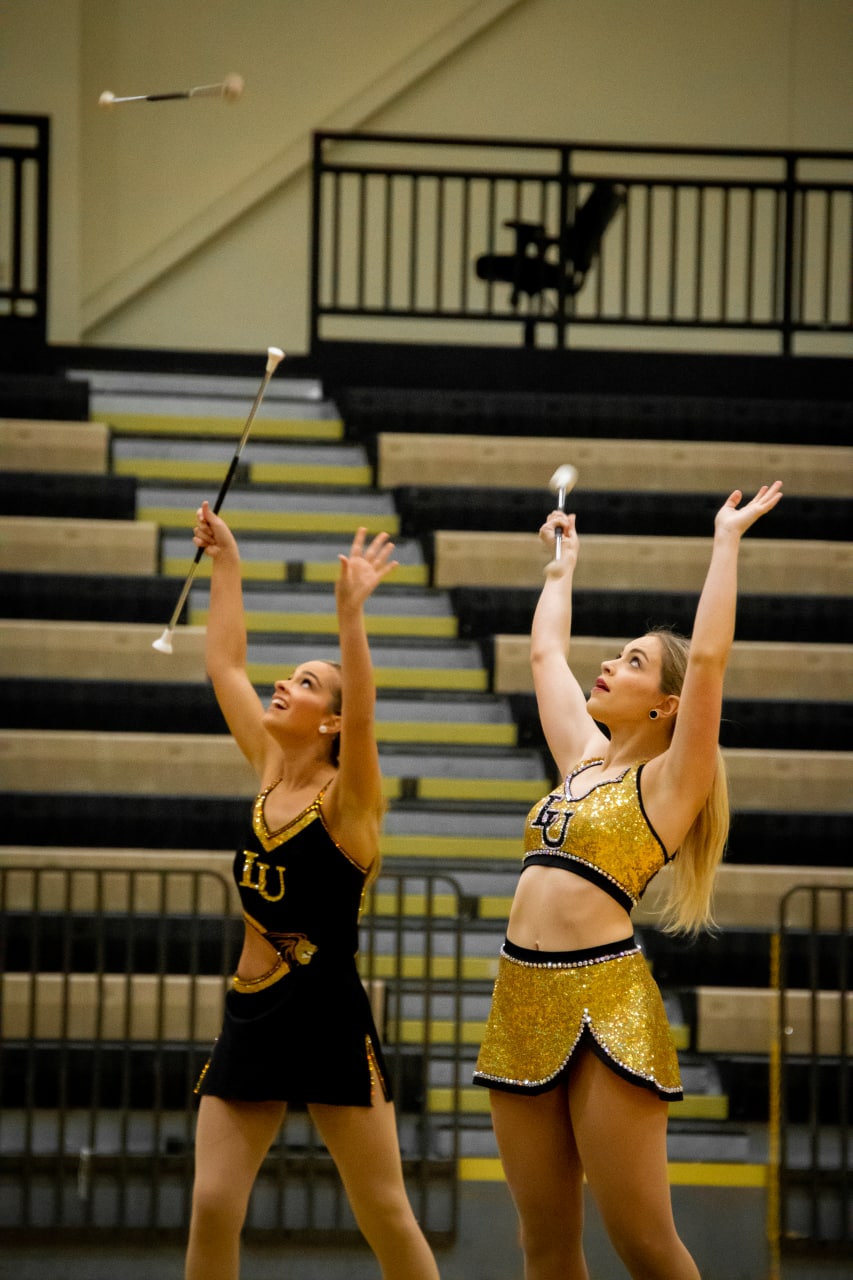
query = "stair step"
x=98 y=763
x=421 y=664
x=271 y=559
x=331 y=465
x=124 y=383
x=272 y=510
x=311 y=608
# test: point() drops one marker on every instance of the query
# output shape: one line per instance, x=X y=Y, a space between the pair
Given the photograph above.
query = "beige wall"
x=186 y=224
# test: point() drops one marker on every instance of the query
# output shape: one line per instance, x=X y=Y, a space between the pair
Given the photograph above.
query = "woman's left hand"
x=733 y=518
x=364 y=568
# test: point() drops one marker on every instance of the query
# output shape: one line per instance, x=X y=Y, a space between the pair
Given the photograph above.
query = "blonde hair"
x=687 y=906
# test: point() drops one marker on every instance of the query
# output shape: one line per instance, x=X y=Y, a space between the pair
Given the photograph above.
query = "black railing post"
x=316 y=222
x=788 y=265
x=563 y=222
x=43 y=221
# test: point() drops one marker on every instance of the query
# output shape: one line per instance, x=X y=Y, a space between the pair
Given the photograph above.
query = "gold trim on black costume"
x=311 y=1038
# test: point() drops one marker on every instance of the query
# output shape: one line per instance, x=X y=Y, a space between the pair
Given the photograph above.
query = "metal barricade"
x=812 y=1143
x=112 y=987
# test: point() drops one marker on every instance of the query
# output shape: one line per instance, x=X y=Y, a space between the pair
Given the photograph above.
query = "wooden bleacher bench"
x=98 y=651
x=790 y=567
x=741 y=1020
x=756 y=669
x=177 y=764
x=124 y=763
x=112 y=650
x=32 y=544
x=646 y=465
x=33 y=445
x=748 y=897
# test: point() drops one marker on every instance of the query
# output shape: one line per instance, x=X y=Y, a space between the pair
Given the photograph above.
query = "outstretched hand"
x=733 y=518
x=364 y=568
x=570 y=544
x=212 y=533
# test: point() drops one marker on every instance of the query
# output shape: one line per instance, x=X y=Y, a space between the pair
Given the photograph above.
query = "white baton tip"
x=164 y=644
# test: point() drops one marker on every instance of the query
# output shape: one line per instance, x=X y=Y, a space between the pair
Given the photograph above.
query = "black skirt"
x=309 y=1037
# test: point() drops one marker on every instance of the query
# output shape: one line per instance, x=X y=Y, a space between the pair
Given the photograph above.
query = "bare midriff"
x=554 y=910
x=257 y=957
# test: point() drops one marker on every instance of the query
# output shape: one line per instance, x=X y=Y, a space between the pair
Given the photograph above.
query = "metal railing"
x=112 y=987
x=810 y=1091
x=24 y=179
x=417 y=230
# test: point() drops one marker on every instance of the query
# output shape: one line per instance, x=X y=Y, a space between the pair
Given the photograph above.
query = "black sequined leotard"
x=303 y=1031
x=546 y=1002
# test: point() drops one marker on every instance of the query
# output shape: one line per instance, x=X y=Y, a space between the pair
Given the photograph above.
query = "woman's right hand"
x=212 y=533
x=570 y=543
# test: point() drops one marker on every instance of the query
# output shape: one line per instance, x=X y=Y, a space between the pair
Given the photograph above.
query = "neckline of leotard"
x=602 y=782
x=261 y=804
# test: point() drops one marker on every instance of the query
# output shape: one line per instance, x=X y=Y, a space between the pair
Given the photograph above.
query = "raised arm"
x=569 y=730
x=679 y=781
x=225 y=651
x=355 y=804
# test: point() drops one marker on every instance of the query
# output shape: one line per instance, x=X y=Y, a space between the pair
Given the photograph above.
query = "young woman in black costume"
x=297 y=1023
x=577 y=1054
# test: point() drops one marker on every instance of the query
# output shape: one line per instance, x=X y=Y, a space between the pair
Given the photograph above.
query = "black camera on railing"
x=530 y=270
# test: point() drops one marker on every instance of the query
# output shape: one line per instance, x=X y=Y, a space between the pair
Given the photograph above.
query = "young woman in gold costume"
x=578 y=1055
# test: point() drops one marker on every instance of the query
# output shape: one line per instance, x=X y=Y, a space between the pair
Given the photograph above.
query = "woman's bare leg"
x=364 y=1146
x=232 y=1139
x=620 y=1129
x=545 y=1178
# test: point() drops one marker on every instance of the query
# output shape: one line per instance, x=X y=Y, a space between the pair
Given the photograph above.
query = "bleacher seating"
x=485 y=612
x=516 y=560
x=773 y=669
x=424 y=508
x=42 y=448
x=602 y=413
x=32 y=493
x=645 y=466
x=113 y=754
x=37 y=544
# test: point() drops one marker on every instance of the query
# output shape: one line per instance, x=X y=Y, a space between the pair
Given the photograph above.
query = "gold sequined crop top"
x=603 y=835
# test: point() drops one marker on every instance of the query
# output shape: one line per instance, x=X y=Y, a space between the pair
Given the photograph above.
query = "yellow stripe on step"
x=472 y=680
x=432 y=627
x=280 y=521
x=681 y=1173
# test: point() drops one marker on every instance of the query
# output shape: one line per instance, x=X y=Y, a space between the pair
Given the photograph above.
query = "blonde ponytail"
x=687 y=905
x=688 y=899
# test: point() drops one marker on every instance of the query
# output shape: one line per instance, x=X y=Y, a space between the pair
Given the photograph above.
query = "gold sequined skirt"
x=546 y=1002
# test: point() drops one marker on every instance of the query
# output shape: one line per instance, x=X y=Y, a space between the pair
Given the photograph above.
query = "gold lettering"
x=263 y=868
x=248 y=860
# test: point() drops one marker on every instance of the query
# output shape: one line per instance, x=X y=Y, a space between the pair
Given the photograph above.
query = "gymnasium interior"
x=492 y=237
